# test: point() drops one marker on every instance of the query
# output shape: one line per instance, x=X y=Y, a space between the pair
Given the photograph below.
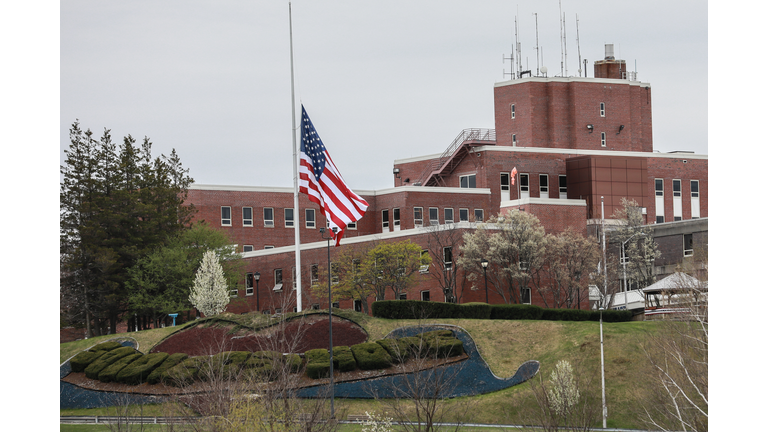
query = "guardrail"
x=464 y=135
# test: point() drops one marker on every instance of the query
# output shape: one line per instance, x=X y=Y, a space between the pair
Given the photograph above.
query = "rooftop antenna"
x=578 y=47
x=511 y=63
x=559 y=18
x=565 y=49
x=517 y=51
x=536 y=17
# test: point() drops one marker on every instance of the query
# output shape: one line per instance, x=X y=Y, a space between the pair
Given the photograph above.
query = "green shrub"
x=565 y=315
x=516 y=312
x=172 y=360
x=226 y=364
x=138 y=370
x=83 y=359
x=473 y=311
x=93 y=370
x=318 y=363
x=109 y=373
x=185 y=372
x=371 y=356
x=106 y=346
x=442 y=344
x=293 y=361
x=343 y=360
x=398 y=349
x=611 y=315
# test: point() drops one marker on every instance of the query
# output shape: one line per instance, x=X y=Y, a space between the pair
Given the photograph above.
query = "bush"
x=83 y=359
x=318 y=363
x=398 y=349
x=93 y=370
x=516 y=312
x=371 y=356
x=109 y=373
x=343 y=360
x=293 y=361
x=260 y=364
x=228 y=364
x=566 y=315
x=611 y=315
x=138 y=370
x=170 y=361
x=442 y=344
x=474 y=311
x=106 y=346
x=185 y=372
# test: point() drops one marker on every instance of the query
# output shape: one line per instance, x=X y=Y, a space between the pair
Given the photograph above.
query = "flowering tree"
x=210 y=294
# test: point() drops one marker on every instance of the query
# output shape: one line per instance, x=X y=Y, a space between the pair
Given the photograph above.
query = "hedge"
x=398 y=349
x=172 y=360
x=371 y=356
x=109 y=373
x=185 y=372
x=343 y=360
x=228 y=364
x=93 y=370
x=318 y=363
x=79 y=362
x=442 y=344
x=516 y=312
x=138 y=370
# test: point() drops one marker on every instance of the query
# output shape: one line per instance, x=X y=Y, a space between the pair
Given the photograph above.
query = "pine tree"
x=210 y=294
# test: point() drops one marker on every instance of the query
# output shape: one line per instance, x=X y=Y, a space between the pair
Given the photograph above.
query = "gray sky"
x=380 y=80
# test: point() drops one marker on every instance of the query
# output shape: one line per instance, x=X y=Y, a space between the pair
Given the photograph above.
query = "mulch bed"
x=301 y=335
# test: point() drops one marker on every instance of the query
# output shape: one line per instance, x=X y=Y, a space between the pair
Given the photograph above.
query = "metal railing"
x=464 y=136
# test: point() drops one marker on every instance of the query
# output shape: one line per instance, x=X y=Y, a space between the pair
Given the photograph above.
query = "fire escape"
x=436 y=171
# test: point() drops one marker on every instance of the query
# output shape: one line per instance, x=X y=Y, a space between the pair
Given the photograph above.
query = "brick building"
x=578 y=145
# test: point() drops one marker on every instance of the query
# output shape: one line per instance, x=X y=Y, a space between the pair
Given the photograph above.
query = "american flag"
x=321 y=181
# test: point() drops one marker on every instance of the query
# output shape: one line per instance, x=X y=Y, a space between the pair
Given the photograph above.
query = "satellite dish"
x=543 y=69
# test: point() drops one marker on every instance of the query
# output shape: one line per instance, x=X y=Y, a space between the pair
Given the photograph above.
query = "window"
x=334 y=273
x=687 y=245
x=504 y=186
x=309 y=216
x=396 y=219
x=448 y=215
x=694 y=188
x=524 y=191
x=424 y=267
x=249 y=284
x=525 y=295
x=293 y=277
x=269 y=217
x=247 y=216
x=352 y=225
x=659 y=186
x=315 y=306
x=676 y=188
x=514 y=140
x=385 y=220
x=247 y=248
x=433 y=218
x=602 y=109
x=463 y=215
x=226 y=216
x=695 y=210
x=335 y=305
x=448 y=258
x=269 y=246
x=425 y=295
x=418 y=217
x=402 y=296
x=522 y=265
x=602 y=139
x=288 y=217
x=467 y=181
x=313 y=274
x=543 y=186
x=563 y=186
x=512 y=111
x=358 y=305
x=677 y=200
x=278 y=280
x=478 y=215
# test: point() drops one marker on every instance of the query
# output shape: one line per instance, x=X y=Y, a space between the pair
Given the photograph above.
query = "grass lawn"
x=505 y=345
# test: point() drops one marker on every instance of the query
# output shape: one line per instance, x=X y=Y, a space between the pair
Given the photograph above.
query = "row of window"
x=677 y=199
x=469 y=181
x=433 y=217
x=310 y=220
x=512 y=110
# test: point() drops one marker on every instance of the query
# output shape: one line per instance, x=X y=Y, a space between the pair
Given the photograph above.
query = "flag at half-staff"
x=321 y=181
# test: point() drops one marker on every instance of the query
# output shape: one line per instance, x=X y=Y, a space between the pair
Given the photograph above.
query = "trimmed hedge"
x=93 y=370
x=398 y=349
x=138 y=370
x=442 y=344
x=343 y=360
x=109 y=373
x=79 y=362
x=415 y=309
x=172 y=360
x=227 y=363
x=185 y=372
x=371 y=356
x=318 y=363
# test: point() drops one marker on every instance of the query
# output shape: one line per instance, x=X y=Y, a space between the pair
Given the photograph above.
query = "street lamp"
x=330 y=314
x=484 y=263
x=602 y=367
x=256 y=277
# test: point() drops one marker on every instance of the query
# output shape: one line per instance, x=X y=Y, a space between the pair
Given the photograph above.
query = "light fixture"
x=397 y=170
x=590 y=127
x=484 y=263
x=621 y=128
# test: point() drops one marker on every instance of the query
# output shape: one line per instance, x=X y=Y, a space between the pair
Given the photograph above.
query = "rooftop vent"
x=609 y=52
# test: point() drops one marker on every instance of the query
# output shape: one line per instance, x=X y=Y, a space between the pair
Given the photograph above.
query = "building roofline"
x=571 y=79
x=543 y=201
x=386 y=191
x=585 y=152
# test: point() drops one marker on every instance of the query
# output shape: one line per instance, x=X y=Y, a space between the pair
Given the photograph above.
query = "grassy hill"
x=505 y=345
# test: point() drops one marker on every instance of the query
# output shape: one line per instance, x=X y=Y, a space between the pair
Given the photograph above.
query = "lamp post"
x=602 y=367
x=256 y=277
x=330 y=314
x=484 y=263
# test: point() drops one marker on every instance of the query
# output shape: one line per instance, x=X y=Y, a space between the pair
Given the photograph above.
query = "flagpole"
x=296 y=217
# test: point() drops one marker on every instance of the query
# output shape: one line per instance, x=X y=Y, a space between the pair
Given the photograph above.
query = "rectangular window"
x=396 y=219
x=694 y=188
x=602 y=139
x=695 y=209
x=676 y=188
x=463 y=215
x=425 y=295
x=402 y=296
x=433 y=217
x=467 y=181
x=334 y=273
x=226 y=216
x=514 y=140
x=602 y=109
x=418 y=217
x=659 y=186
x=293 y=277
x=247 y=248
x=524 y=186
x=512 y=111
x=247 y=216
x=269 y=217
x=424 y=267
x=313 y=274
x=316 y=306
x=309 y=216
x=525 y=294
x=385 y=220
x=448 y=215
x=352 y=225
x=269 y=246
x=677 y=200
x=505 y=182
x=563 y=186
x=335 y=305
x=478 y=215
x=687 y=245
x=278 y=280
x=288 y=217
x=358 y=305
x=543 y=186
x=249 y=284
x=448 y=258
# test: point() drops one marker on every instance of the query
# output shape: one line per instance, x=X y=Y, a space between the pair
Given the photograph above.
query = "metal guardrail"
x=465 y=135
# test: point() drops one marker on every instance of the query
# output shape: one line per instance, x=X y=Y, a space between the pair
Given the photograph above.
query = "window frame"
x=543 y=186
x=249 y=289
x=278 y=275
x=310 y=224
x=602 y=109
x=658 y=192
x=436 y=220
x=446 y=218
x=447 y=258
x=603 y=139
x=290 y=222
x=687 y=238
x=694 y=194
x=677 y=188
x=482 y=215
x=247 y=246
x=269 y=222
x=418 y=222
x=396 y=218
x=226 y=221
x=466 y=218
x=248 y=221
x=422 y=295
x=385 y=220
x=314 y=274
x=512 y=111
x=527 y=186
x=562 y=190
x=471 y=181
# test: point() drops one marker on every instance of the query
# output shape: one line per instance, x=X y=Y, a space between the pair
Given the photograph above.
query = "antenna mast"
x=565 y=49
x=517 y=51
x=536 y=17
x=578 y=47
x=560 y=19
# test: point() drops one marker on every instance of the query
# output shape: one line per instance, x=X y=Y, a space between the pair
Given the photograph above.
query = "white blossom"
x=210 y=294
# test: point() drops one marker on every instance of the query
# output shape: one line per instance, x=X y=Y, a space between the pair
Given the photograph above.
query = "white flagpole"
x=296 y=217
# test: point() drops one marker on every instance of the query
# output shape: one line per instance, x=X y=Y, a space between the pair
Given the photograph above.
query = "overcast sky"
x=380 y=80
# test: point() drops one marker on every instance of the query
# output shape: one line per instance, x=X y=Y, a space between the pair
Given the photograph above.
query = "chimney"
x=610 y=67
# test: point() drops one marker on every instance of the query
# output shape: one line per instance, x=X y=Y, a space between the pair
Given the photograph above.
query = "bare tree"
x=443 y=243
x=639 y=247
x=571 y=257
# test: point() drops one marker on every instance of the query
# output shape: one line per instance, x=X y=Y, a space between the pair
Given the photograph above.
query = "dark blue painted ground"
x=472 y=377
